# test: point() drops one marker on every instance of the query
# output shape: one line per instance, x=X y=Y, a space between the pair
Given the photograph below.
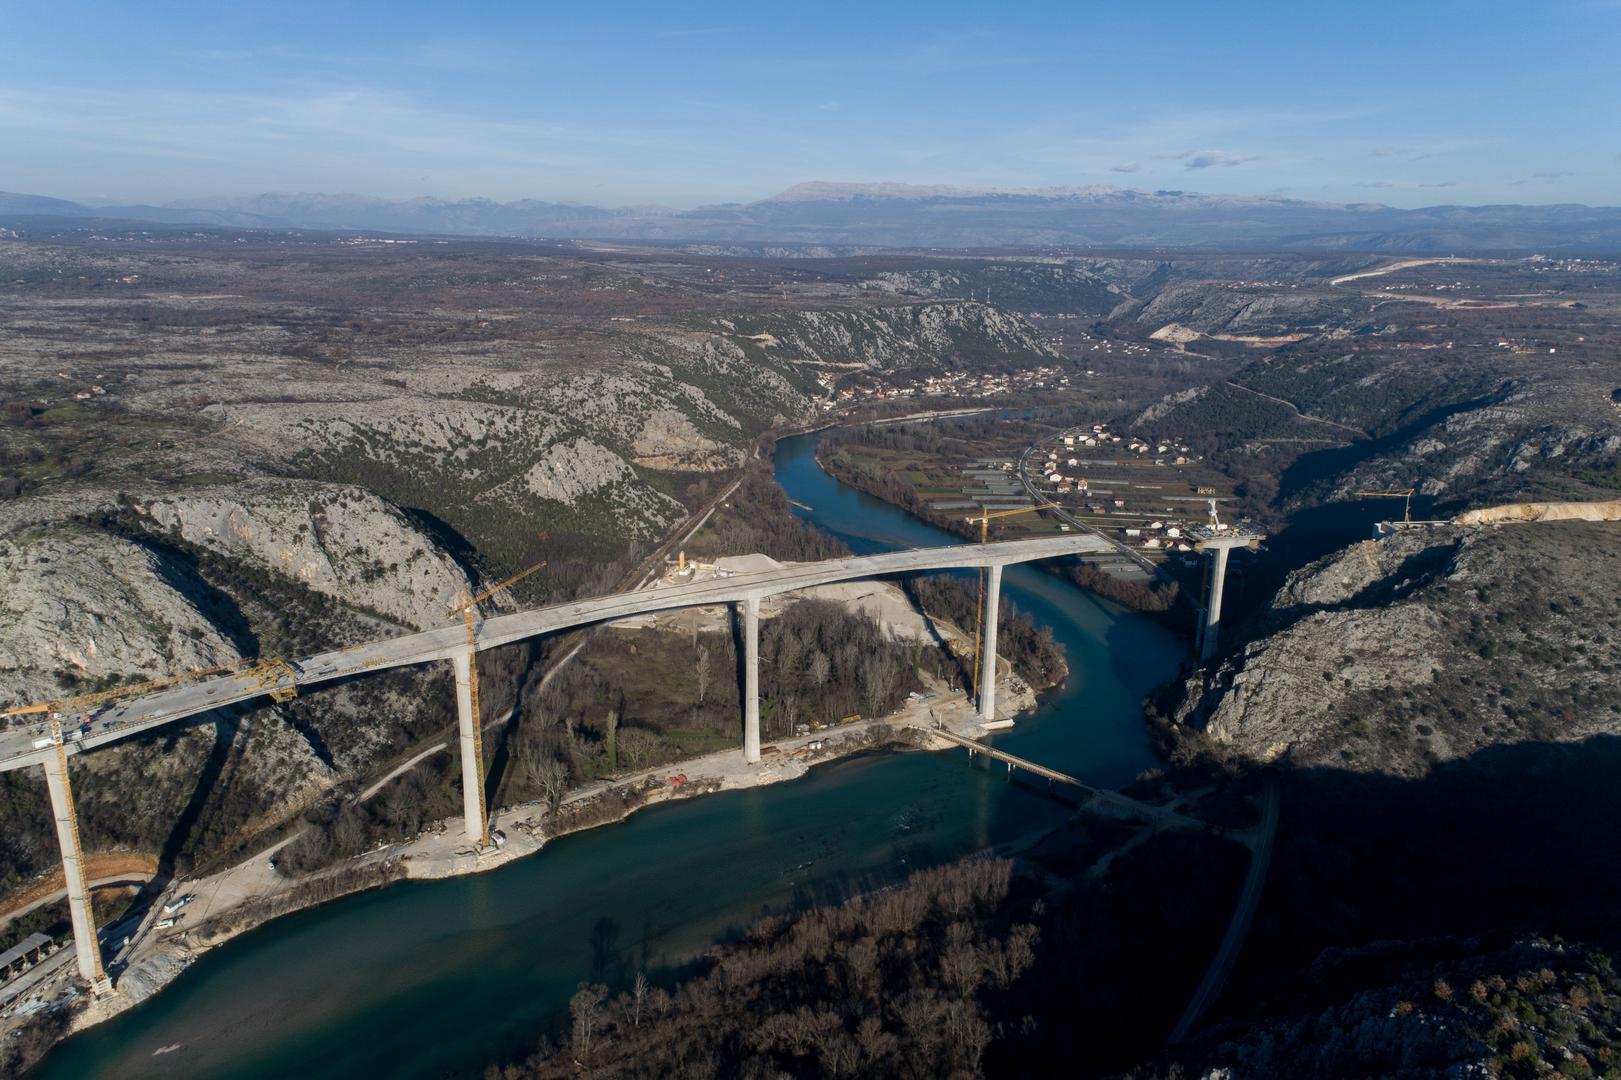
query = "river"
x=431 y=979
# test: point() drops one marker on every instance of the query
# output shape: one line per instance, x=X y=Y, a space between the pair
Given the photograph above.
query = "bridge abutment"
x=751 y=679
x=85 y=945
x=471 y=747
x=987 y=663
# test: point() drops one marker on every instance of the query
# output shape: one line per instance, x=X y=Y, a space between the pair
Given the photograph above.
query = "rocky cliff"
x=1427 y=646
x=342 y=542
x=81 y=605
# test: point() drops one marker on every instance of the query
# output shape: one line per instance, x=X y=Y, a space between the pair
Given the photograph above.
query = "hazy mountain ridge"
x=900 y=215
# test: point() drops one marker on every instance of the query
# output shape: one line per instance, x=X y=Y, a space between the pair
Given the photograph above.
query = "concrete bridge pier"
x=751 y=680
x=67 y=836
x=1215 y=577
x=987 y=661
x=472 y=752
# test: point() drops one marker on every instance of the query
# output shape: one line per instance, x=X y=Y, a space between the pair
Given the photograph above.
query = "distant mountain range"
x=899 y=215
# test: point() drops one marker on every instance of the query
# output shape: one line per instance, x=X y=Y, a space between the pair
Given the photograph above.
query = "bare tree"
x=550 y=775
x=532 y=758
x=788 y=709
x=638 y=998
x=820 y=667
x=702 y=669
x=586 y=1009
x=882 y=675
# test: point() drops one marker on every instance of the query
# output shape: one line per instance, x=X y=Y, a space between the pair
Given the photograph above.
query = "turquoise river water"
x=431 y=979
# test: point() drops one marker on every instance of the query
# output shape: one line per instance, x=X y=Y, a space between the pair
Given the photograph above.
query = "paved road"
x=1238 y=928
x=1404 y=264
x=153 y=710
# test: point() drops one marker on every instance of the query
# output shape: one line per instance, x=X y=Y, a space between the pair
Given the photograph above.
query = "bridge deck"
x=167 y=706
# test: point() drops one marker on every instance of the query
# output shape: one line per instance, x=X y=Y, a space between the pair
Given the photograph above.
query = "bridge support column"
x=987 y=661
x=751 y=680
x=472 y=752
x=1215 y=577
x=67 y=836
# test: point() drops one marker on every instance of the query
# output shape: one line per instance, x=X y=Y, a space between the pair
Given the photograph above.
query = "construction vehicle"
x=1406 y=494
x=984 y=518
x=468 y=610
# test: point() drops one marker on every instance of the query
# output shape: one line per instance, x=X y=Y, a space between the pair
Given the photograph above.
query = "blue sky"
x=1407 y=103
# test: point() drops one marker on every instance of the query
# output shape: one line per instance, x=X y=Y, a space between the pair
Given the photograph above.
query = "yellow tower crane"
x=1406 y=493
x=84 y=701
x=984 y=519
x=468 y=610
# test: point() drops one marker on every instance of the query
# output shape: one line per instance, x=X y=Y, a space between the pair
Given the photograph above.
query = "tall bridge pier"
x=85 y=945
x=1216 y=549
x=470 y=738
x=751 y=679
x=987 y=660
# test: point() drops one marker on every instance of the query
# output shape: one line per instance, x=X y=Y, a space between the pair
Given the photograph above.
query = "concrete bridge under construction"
x=51 y=746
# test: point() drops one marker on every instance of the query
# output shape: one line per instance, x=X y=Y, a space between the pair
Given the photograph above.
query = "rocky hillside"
x=939 y=335
x=1472 y=381
x=215 y=448
x=1427 y=646
x=1057 y=286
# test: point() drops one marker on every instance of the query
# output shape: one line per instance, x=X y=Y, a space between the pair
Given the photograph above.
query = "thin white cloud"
x=1214 y=159
x=1127 y=167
